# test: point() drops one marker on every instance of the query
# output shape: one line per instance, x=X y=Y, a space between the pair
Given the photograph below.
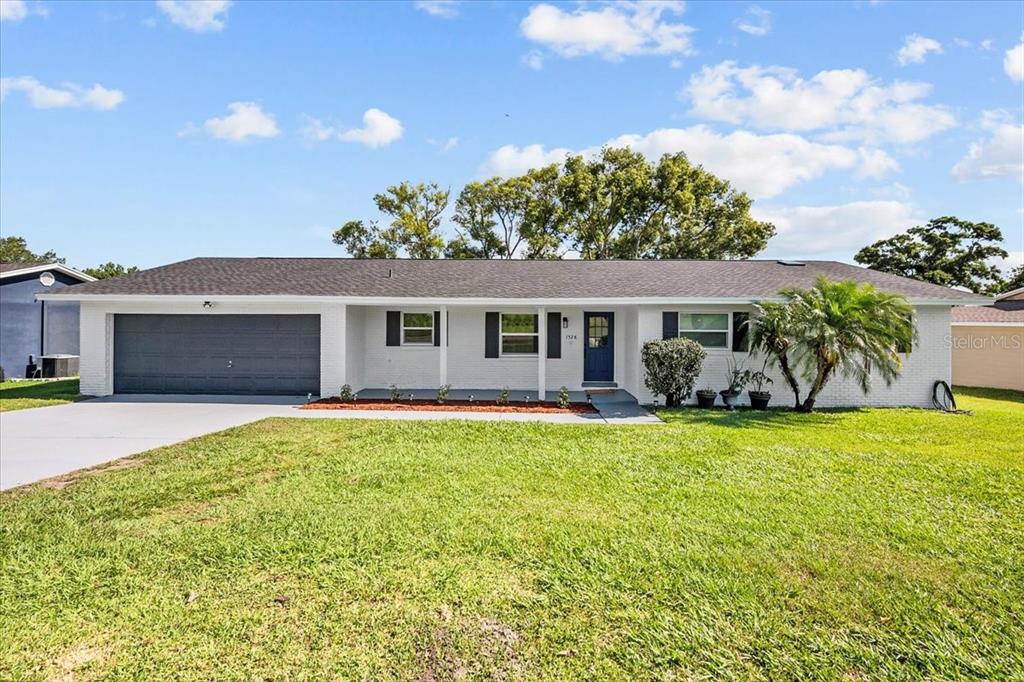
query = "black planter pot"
x=730 y=399
x=706 y=399
x=759 y=399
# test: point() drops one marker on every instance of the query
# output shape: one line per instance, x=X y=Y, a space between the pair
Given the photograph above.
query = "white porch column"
x=333 y=354
x=542 y=352
x=96 y=348
x=443 y=331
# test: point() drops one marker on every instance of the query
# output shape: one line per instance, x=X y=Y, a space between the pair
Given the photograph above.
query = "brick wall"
x=930 y=361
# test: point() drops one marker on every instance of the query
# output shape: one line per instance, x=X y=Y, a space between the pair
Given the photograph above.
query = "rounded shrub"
x=671 y=367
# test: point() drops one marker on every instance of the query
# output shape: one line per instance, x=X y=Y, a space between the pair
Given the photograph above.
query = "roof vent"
x=791 y=263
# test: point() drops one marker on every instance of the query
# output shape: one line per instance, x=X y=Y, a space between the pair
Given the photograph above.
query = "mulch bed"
x=450 y=406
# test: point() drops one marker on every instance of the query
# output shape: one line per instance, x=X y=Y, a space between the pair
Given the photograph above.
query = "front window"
x=417 y=329
x=710 y=330
x=519 y=334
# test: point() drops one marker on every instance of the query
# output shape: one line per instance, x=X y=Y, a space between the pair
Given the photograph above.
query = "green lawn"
x=873 y=544
x=21 y=395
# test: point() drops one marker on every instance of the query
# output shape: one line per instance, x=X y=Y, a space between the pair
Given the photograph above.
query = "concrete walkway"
x=40 y=443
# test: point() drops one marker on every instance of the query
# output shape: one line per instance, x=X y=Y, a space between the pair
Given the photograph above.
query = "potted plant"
x=706 y=398
x=759 y=398
x=737 y=378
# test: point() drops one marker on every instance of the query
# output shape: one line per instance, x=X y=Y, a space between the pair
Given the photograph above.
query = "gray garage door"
x=219 y=354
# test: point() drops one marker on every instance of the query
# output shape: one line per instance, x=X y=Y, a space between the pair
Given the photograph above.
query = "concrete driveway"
x=45 y=442
x=48 y=441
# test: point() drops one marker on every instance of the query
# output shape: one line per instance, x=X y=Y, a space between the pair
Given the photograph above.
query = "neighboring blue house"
x=31 y=327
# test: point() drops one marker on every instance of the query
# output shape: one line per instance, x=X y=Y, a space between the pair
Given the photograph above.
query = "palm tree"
x=851 y=329
x=771 y=334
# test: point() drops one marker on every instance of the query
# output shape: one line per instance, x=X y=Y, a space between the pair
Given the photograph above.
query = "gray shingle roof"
x=493 y=279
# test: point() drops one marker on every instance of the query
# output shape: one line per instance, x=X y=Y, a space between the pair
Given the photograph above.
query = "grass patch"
x=860 y=544
x=22 y=395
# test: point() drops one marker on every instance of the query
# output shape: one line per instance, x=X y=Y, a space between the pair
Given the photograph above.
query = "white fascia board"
x=987 y=324
x=467 y=301
x=59 y=267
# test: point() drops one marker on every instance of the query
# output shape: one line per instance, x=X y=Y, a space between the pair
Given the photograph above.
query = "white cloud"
x=438 y=8
x=833 y=231
x=756 y=21
x=316 y=131
x=916 y=48
x=511 y=160
x=761 y=165
x=196 y=15
x=69 y=95
x=13 y=10
x=875 y=163
x=612 y=32
x=533 y=59
x=845 y=104
x=246 y=120
x=379 y=129
x=961 y=42
x=999 y=155
x=1014 y=260
x=986 y=44
x=1013 y=63
x=445 y=145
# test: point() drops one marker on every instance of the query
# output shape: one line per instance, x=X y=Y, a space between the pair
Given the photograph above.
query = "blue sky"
x=150 y=132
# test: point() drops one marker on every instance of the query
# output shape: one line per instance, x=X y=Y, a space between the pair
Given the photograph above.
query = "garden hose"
x=946 y=402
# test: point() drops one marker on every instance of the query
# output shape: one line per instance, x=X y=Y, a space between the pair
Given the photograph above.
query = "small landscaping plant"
x=706 y=397
x=671 y=367
x=736 y=377
x=345 y=394
x=442 y=394
x=759 y=398
x=563 y=397
x=395 y=393
x=503 y=396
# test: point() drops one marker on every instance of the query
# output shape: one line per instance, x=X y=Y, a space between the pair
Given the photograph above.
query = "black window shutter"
x=394 y=336
x=437 y=328
x=491 y=340
x=740 y=332
x=554 y=335
x=669 y=325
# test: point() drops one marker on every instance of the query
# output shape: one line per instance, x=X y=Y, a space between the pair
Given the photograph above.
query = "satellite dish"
x=47 y=279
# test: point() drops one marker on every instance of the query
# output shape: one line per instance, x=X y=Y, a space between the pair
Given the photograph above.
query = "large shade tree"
x=947 y=251
x=620 y=205
x=415 y=212
x=508 y=217
x=615 y=204
x=15 y=250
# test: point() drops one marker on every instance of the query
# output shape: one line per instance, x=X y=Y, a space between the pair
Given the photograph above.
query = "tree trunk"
x=787 y=373
x=670 y=400
x=819 y=383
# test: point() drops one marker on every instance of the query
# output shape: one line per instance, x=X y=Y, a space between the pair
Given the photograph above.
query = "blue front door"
x=599 y=346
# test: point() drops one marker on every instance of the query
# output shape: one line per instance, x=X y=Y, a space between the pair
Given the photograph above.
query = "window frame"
x=403 y=326
x=727 y=331
x=502 y=334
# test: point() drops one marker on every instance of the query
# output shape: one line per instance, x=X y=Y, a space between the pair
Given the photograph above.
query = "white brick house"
x=297 y=326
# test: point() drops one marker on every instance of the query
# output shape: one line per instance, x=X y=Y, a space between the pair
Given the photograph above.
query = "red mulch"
x=450 y=406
